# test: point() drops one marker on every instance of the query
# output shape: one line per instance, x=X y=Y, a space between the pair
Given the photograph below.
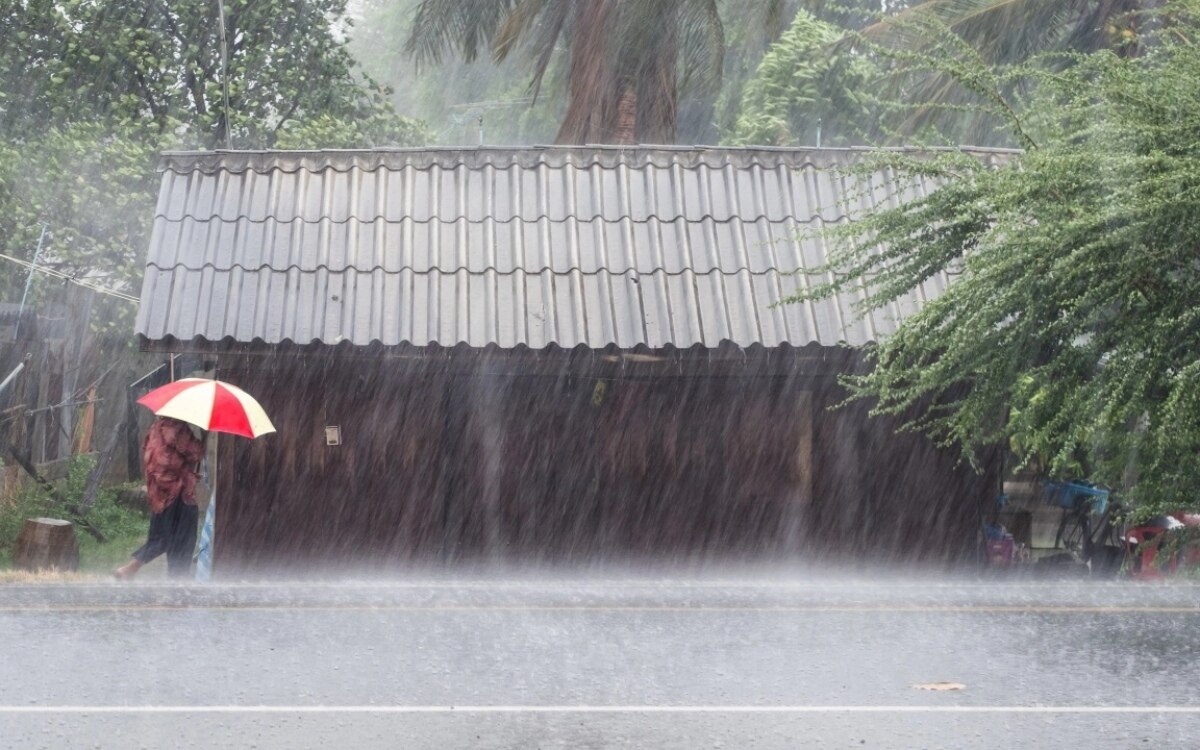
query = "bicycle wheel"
x=1075 y=534
x=1114 y=526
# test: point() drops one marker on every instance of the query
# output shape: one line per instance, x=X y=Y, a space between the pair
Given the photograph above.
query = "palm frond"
x=516 y=26
x=466 y=26
x=980 y=34
x=774 y=18
x=701 y=44
x=646 y=51
x=549 y=31
x=1002 y=31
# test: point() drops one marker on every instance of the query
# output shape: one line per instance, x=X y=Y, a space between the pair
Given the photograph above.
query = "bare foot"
x=127 y=571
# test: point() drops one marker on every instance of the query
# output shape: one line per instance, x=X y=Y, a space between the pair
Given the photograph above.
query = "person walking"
x=171 y=457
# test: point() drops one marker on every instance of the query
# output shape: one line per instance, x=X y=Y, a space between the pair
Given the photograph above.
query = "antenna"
x=477 y=110
x=224 y=70
x=37 y=255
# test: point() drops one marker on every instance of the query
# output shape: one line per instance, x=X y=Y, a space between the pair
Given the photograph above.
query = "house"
x=541 y=354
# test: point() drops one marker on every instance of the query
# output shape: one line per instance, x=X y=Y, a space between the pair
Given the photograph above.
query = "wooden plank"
x=92 y=487
x=79 y=306
x=86 y=424
x=133 y=446
x=551 y=361
x=55 y=394
x=801 y=501
x=37 y=445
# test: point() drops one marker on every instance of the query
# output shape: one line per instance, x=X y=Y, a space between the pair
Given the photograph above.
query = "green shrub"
x=124 y=528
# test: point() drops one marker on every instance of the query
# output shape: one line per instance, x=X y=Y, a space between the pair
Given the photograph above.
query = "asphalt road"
x=779 y=660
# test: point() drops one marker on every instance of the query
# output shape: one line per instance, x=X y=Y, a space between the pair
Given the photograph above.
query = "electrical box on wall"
x=333 y=435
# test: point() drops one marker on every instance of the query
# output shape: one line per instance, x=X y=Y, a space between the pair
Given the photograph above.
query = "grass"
x=47 y=576
x=123 y=527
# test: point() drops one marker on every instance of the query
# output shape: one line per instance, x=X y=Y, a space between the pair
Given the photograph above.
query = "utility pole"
x=224 y=72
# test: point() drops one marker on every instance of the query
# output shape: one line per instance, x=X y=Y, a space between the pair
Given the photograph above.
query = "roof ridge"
x=611 y=157
x=217 y=218
x=601 y=147
x=432 y=270
x=287 y=343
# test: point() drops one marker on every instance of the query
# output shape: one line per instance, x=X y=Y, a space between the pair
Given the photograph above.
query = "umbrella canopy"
x=210 y=405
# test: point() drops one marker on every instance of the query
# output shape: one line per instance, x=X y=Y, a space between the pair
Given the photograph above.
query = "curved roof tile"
x=589 y=246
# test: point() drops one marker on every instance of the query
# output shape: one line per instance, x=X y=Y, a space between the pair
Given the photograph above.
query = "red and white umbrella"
x=210 y=405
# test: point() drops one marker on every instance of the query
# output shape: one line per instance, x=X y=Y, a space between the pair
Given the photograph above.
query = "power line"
x=67 y=277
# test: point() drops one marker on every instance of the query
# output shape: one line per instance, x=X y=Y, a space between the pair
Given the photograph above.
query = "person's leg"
x=182 y=543
x=156 y=544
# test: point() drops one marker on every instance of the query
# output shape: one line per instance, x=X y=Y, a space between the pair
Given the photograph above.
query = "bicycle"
x=1089 y=516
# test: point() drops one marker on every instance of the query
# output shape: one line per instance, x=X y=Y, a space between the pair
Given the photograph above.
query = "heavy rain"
x=599 y=373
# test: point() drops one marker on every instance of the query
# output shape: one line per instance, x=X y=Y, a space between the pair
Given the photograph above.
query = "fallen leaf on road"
x=940 y=686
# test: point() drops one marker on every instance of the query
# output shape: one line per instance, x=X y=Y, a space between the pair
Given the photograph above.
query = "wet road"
x=572 y=662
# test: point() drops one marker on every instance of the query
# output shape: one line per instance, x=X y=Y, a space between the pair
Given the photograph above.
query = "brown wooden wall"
x=444 y=462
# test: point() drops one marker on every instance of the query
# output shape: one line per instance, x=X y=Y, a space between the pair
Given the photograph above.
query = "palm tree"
x=629 y=60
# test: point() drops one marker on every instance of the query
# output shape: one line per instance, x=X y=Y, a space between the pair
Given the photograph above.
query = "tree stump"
x=46 y=543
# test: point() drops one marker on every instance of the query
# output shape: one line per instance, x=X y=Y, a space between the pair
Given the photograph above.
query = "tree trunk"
x=46 y=543
x=625 y=132
x=616 y=96
x=590 y=83
x=658 y=90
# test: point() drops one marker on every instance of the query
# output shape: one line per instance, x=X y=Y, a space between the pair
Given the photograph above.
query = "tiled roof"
x=589 y=246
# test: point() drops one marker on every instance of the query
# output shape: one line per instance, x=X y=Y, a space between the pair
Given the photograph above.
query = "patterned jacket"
x=171 y=461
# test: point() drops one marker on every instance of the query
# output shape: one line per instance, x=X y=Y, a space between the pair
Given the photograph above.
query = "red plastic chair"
x=1141 y=551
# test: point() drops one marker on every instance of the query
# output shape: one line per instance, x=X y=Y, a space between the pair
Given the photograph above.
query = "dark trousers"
x=172 y=532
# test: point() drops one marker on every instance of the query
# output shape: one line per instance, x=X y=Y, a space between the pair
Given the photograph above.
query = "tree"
x=158 y=65
x=751 y=36
x=95 y=191
x=805 y=92
x=1071 y=329
x=628 y=61
x=454 y=95
x=92 y=90
x=907 y=100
